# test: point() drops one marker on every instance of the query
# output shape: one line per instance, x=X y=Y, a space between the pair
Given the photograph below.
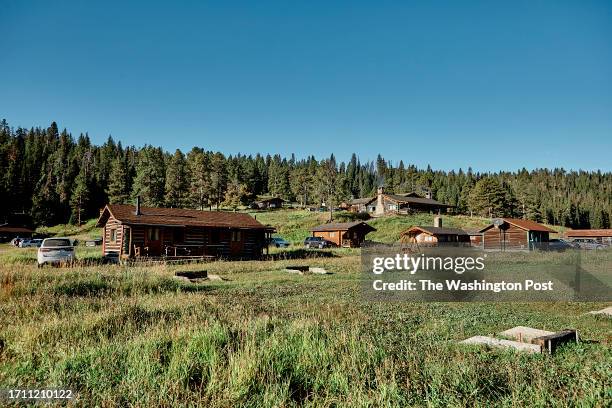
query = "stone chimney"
x=380 y=203
x=137 y=210
x=438 y=222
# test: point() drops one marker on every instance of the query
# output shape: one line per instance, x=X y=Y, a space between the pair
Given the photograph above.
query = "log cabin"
x=602 y=236
x=513 y=234
x=360 y=205
x=390 y=204
x=133 y=231
x=345 y=234
x=433 y=236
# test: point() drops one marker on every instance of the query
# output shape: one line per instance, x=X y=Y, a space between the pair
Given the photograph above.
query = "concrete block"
x=551 y=342
x=607 y=311
x=499 y=343
x=524 y=334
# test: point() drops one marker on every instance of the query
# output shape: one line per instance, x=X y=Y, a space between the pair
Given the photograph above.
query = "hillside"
x=294 y=225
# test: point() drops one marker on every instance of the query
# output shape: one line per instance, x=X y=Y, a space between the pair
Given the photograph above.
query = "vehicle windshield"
x=57 y=243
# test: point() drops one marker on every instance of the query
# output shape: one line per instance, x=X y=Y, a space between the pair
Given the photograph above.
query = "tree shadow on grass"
x=300 y=253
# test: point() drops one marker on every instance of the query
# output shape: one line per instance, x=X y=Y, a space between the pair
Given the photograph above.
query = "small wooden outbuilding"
x=268 y=203
x=345 y=234
x=435 y=235
x=134 y=231
x=512 y=233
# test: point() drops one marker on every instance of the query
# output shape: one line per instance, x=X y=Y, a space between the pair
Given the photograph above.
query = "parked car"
x=30 y=243
x=559 y=245
x=316 y=242
x=588 y=243
x=24 y=243
x=278 y=242
x=55 y=251
x=93 y=242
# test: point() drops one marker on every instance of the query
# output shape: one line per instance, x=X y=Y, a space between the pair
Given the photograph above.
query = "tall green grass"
x=135 y=336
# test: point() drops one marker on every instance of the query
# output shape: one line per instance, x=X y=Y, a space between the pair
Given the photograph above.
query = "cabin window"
x=236 y=236
x=113 y=235
x=215 y=236
x=332 y=234
x=178 y=235
x=153 y=234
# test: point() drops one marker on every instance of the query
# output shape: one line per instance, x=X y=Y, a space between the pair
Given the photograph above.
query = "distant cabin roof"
x=526 y=225
x=436 y=230
x=342 y=226
x=266 y=199
x=411 y=199
x=589 y=233
x=15 y=230
x=364 y=200
x=178 y=217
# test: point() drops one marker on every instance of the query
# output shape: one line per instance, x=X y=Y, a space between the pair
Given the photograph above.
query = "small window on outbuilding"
x=113 y=235
x=236 y=236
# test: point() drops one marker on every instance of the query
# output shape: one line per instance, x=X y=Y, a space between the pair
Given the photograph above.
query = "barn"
x=512 y=234
x=346 y=234
x=133 y=231
x=435 y=235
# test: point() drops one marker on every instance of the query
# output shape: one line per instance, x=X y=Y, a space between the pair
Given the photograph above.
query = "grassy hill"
x=82 y=232
x=294 y=225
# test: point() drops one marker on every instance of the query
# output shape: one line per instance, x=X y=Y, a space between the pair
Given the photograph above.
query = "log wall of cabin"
x=510 y=238
x=331 y=236
x=110 y=247
x=213 y=241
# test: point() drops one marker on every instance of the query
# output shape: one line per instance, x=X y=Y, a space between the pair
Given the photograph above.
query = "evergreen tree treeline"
x=57 y=179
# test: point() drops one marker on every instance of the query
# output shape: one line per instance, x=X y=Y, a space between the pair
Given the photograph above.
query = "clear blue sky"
x=492 y=85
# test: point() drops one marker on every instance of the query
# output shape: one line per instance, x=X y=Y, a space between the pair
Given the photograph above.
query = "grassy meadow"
x=136 y=336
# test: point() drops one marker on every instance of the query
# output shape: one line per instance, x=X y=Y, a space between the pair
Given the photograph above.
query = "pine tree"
x=176 y=181
x=235 y=194
x=488 y=198
x=301 y=184
x=149 y=183
x=80 y=197
x=118 y=189
x=218 y=178
x=200 y=184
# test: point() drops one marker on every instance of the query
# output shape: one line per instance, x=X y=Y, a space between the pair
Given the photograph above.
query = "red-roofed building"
x=513 y=233
x=134 y=231
x=603 y=236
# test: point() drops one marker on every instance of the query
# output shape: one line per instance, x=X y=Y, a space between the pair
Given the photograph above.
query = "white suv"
x=55 y=251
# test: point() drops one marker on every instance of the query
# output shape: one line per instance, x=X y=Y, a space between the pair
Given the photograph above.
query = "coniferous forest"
x=57 y=178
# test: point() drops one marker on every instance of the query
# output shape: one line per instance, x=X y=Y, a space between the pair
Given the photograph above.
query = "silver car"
x=30 y=243
x=55 y=251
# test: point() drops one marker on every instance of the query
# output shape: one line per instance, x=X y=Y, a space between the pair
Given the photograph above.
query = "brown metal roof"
x=342 y=226
x=527 y=225
x=436 y=230
x=592 y=233
x=364 y=200
x=415 y=200
x=16 y=229
x=179 y=217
